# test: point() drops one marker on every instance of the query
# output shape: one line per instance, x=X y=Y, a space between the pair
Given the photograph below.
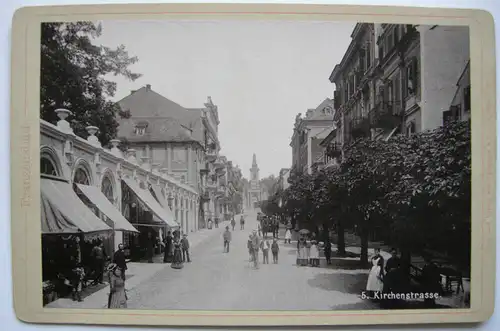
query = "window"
x=467 y=99
x=410 y=128
x=140 y=131
x=81 y=177
x=368 y=56
x=412 y=77
x=47 y=167
x=396 y=35
x=107 y=188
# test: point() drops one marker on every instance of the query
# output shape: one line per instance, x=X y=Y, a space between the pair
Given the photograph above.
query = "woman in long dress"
x=302 y=258
x=375 y=277
x=117 y=296
x=167 y=255
x=177 y=260
x=288 y=236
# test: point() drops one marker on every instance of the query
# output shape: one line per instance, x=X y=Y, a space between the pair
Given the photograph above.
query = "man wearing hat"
x=227 y=239
x=185 y=248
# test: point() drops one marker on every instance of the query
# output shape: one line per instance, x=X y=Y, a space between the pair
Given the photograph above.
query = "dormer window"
x=140 y=128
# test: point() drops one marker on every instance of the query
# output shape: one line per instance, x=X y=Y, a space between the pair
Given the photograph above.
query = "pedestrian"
x=255 y=249
x=314 y=254
x=117 y=296
x=259 y=228
x=150 y=247
x=77 y=282
x=119 y=259
x=233 y=223
x=301 y=252
x=216 y=222
x=242 y=223
x=328 y=251
x=185 y=248
x=177 y=258
x=265 y=251
x=392 y=280
x=288 y=236
x=275 y=249
x=227 y=239
x=375 y=277
x=168 y=242
x=209 y=224
x=249 y=246
x=431 y=281
x=99 y=258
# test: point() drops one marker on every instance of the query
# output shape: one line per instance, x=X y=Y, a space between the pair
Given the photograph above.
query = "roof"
x=165 y=119
x=319 y=114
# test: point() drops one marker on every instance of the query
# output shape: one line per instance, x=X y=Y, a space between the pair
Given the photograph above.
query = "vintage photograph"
x=255 y=165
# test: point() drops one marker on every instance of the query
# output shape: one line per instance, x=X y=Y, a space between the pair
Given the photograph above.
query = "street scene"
x=232 y=179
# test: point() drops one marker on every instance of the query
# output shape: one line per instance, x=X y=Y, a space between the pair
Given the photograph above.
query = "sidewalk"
x=136 y=274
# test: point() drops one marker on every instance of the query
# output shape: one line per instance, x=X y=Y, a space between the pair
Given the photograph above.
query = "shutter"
x=397 y=97
x=415 y=74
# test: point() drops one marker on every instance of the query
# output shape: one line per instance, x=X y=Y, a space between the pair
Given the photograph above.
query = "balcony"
x=210 y=155
x=383 y=116
x=219 y=164
x=211 y=185
x=205 y=196
x=360 y=127
x=334 y=150
x=204 y=172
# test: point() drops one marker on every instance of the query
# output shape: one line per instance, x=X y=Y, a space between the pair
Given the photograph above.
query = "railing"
x=383 y=116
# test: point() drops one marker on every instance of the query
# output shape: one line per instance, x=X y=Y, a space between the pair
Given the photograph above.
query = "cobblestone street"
x=220 y=281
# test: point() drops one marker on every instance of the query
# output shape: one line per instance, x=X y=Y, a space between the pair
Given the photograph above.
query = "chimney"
x=148 y=87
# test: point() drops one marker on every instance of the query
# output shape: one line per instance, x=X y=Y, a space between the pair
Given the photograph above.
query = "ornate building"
x=181 y=142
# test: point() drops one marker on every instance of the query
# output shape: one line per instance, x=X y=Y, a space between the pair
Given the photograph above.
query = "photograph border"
x=25 y=153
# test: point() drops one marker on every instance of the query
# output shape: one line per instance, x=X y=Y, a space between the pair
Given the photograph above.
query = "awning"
x=162 y=201
x=106 y=207
x=64 y=212
x=151 y=203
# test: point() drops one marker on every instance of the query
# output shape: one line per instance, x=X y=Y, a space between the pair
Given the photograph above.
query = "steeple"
x=254 y=171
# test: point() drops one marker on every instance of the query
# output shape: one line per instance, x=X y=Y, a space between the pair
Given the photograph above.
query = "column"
x=169 y=158
x=309 y=154
x=190 y=167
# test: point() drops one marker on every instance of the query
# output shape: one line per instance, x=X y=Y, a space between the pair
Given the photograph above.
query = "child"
x=275 y=250
x=314 y=254
x=78 y=275
x=265 y=251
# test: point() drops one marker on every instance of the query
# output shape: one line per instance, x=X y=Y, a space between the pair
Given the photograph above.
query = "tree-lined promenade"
x=412 y=193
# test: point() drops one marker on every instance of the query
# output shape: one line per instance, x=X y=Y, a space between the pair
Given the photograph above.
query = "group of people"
x=389 y=277
x=176 y=249
x=308 y=252
x=256 y=243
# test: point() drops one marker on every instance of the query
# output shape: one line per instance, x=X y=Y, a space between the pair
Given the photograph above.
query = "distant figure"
x=242 y=223
x=259 y=228
x=314 y=254
x=117 y=296
x=227 y=239
x=99 y=258
x=255 y=249
x=209 y=224
x=431 y=281
x=216 y=222
x=265 y=246
x=275 y=249
x=328 y=251
x=374 y=283
x=250 y=248
x=301 y=252
x=233 y=223
x=168 y=242
x=77 y=282
x=185 y=248
x=177 y=259
x=288 y=236
x=119 y=260
x=150 y=247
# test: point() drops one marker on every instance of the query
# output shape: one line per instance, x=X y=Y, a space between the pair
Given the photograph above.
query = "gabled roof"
x=324 y=112
x=166 y=120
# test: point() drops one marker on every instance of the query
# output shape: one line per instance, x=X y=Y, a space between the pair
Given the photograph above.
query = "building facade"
x=395 y=78
x=182 y=142
x=67 y=160
x=308 y=133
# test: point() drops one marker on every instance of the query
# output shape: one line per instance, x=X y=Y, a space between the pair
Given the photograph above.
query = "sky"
x=260 y=74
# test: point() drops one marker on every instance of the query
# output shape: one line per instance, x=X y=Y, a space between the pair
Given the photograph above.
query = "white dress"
x=314 y=252
x=374 y=282
x=288 y=235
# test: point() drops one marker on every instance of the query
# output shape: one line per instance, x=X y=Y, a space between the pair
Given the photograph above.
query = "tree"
x=73 y=76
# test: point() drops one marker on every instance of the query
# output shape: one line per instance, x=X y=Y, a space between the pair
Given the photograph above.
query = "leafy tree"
x=73 y=76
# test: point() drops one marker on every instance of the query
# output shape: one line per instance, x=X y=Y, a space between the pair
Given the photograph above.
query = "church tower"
x=254 y=192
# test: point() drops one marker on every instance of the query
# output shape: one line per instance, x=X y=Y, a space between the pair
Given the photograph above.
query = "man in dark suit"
x=119 y=260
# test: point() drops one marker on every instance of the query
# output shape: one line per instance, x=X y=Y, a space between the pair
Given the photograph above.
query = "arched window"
x=81 y=176
x=107 y=188
x=47 y=167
